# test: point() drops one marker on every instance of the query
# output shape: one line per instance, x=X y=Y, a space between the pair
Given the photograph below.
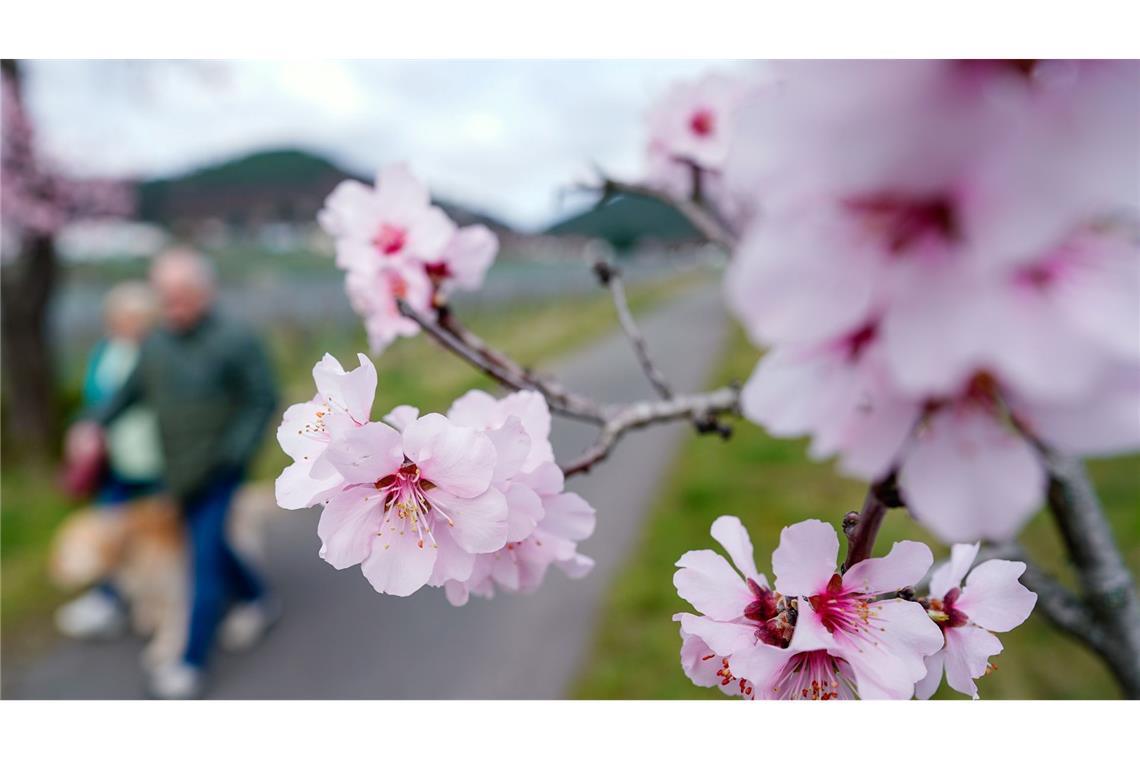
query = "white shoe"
x=176 y=680
x=94 y=615
x=247 y=624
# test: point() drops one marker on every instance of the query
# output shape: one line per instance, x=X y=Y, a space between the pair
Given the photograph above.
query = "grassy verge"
x=413 y=371
x=771 y=483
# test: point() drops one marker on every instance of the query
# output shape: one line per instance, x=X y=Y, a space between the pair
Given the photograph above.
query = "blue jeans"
x=218 y=575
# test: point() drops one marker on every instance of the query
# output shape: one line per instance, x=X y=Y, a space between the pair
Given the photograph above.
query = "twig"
x=640 y=414
x=714 y=230
x=610 y=276
x=862 y=527
x=450 y=334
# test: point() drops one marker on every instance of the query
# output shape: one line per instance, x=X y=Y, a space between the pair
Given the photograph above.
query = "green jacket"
x=213 y=391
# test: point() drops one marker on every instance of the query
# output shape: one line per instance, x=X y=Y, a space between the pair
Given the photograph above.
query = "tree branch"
x=706 y=222
x=861 y=528
x=450 y=334
x=640 y=414
x=1106 y=584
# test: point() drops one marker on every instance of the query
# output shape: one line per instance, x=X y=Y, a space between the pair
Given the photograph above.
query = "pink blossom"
x=883 y=641
x=343 y=400
x=414 y=505
x=396 y=246
x=991 y=599
x=691 y=125
x=818 y=635
x=545 y=524
x=375 y=295
x=393 y=220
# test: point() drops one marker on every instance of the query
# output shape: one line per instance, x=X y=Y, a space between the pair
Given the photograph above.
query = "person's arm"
x=257 y=394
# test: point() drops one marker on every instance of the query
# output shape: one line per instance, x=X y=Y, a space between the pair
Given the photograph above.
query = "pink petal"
x=994 y=598
x=512 y=446
x=726 y=639
x=730 y=533
x=452 y=563
x=905 y=565
x=524 y=511
x=457 y=459
x=469 y=255
x=398 y=189
x=968 y=652
x=477 y=409
x=296 y=488
x=699 y=662
x=402 y=416
x=480 y=523
x=398 y=565
x=350 y=392
x=348 y=525
x=367 y=453
x=709 y=583
x=456 y=593
x=925 y=688
x=546 y=479
x=810 y=634
x=568 y=515
x=805 y=559
x=294 y=435
x=889 y=658
x=949 y=574
x=966 y=477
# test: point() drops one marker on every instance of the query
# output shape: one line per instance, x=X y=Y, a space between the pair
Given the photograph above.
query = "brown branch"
x=450 y=334
x=705 y=222
x=641 y=414
x=862 y=527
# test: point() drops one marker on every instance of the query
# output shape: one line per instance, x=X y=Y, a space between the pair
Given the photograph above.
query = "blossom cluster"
x=394 y=245
x=467 y=501
x=943 y=268
x=820 y=634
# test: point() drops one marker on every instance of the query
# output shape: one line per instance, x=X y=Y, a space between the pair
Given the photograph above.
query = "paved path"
x=339 y=639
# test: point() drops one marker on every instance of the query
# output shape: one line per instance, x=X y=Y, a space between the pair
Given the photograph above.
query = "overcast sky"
x=500 y=136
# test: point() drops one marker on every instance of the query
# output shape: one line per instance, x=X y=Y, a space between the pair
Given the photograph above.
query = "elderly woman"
x=134 y=459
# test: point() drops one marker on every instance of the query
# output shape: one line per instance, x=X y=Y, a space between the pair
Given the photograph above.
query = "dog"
x=141 y=548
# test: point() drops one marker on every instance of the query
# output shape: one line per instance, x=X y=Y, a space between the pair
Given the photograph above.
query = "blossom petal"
x=726 y=639
x=350 y=392
x=402 y=416
x=994 y=598
x=905 y=565
x=367 y=453
x=296 y=488
x=398 y=564
x=457 y=459
x=568 y=516
x=479 y=523
x=925 y=688
x=949 y=574
x=730 y=533
x=524 y=511
x=709 y=583
x=805 y=559
x=966 y=477
x=348 y=525
x=889 y=657
x=968 y=652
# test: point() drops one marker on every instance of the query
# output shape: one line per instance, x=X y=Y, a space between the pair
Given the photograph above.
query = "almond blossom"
x=818 y=634
x=968 y=278
x=413 y=504
x=991 y=599
x=396 y=246
x=343 y=400
x=545 y=523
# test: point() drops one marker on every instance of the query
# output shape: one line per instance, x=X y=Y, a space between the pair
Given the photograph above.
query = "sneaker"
x=176 y=680
x=247 y=623
x=94 y=615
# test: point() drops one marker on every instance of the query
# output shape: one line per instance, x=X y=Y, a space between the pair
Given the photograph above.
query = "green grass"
x=412 y=371
x=771 y=483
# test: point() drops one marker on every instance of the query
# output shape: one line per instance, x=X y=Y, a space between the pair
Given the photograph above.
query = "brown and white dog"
x=141 y=548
